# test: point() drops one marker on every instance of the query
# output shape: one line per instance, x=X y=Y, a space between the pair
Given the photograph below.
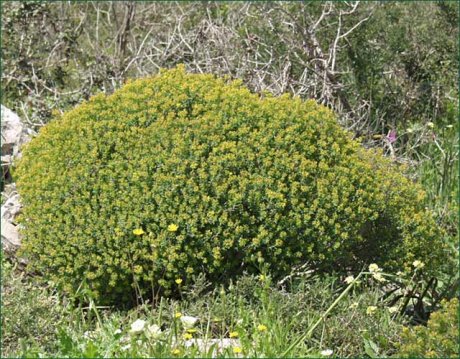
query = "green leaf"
x=67 y=344
x=91 y=351
x=371 y=348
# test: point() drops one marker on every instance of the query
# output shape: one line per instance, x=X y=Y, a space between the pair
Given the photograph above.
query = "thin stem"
x=318 y=322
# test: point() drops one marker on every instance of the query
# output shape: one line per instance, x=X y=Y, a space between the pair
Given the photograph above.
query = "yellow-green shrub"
x=439 y=339
x=246 y=179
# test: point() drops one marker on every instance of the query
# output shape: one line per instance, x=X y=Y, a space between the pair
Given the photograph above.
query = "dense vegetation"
x=438 y=339
x=182 y=174
x=388 y=71
x=263 y=318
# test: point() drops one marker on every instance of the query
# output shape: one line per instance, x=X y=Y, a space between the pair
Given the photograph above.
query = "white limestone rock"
x=14 y=135
x=216 y=345
x=11 y=239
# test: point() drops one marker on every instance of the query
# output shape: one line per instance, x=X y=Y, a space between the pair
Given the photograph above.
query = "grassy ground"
x=307 y=315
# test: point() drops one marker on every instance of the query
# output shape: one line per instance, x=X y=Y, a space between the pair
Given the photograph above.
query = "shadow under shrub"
x=215 y=180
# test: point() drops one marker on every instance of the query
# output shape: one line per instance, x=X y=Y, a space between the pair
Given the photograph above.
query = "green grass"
x=437 y=170
x=435 y=151
x=37 y=322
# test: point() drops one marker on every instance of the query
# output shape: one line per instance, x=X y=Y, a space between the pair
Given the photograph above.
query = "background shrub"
x=219 y=180
x=439 y=339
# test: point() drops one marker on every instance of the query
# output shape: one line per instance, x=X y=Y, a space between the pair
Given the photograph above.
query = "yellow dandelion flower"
x=233 y=334
x=262 y=328
x=178 y=281
x=188 y=336
x=262 y=278
x=138 y=232
x=178 y=315
x=237 y=350
x=173 y=227
x=176 y=352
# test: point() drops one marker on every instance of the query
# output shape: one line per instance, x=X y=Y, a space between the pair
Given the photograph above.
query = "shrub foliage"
x=215 y=179
x=439 y=339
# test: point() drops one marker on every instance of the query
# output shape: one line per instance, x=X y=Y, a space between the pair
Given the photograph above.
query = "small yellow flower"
x=371 y=310
x=176 y=352
x=349 y=279
x=192 y=330
x=418 y=264
x=138 y=232
x=373 y=268
x=233 y=334
x=237 y=350
x=262 y=277
x=354 y=305
x=430 y=124
x=261 y=328
x=178 y=281
x=188 y=336
x=173 y=227
x=178 y=315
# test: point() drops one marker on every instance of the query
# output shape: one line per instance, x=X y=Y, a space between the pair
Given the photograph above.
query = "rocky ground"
x=15 y=133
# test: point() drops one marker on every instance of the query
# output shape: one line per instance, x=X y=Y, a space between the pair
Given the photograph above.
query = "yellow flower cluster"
x=182 y=173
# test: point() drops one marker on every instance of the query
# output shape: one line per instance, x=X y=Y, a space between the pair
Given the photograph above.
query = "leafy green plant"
x=129 y=195
x=30 y=313
x=439 y=339
x=260 y=318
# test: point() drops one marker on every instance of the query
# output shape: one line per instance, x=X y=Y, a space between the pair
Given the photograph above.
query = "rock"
x=11 y=208
x=8 y=191
x=14 y=135
x=12 y=128
x=6 y=162
x=217 y=345
x=11 y=239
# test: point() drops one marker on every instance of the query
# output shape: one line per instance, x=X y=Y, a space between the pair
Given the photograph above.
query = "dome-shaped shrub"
x=183 y=173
